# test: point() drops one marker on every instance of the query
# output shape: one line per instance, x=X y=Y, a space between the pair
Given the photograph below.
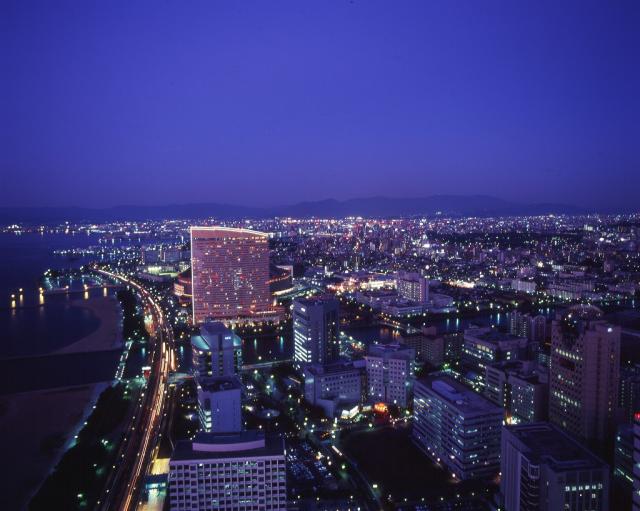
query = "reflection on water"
x=45 y=323
x=254 y=350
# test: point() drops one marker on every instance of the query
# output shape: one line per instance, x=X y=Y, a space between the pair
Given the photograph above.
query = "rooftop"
x=335 y=367
x=228 y=445
x=316 y=300
x=458 y=396
x=379 y=350
x=527 y=370
x=217 y=384
x=225 y=232
x=584 y=312
x=546 y=443
x=210 y=332
x=214 y=328
x=491 y=335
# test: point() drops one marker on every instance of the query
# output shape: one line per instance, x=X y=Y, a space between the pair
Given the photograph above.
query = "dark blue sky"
x=107 y=102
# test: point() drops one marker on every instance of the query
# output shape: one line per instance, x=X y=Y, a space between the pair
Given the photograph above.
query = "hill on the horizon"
x=455 y=205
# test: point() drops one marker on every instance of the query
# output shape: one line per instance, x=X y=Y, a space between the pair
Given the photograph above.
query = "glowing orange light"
x=380 y=408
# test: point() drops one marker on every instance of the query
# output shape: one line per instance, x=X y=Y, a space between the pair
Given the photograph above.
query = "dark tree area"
x=77 y=480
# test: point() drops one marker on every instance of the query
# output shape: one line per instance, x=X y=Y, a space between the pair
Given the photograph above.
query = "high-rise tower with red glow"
x=230 y=274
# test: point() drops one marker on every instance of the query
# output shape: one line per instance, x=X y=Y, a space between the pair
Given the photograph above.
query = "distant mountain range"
x=455 y=205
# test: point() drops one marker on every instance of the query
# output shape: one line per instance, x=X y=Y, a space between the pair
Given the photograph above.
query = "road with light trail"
x=143 y=436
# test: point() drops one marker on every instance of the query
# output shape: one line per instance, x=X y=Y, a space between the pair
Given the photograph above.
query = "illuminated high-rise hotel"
x=230 y=274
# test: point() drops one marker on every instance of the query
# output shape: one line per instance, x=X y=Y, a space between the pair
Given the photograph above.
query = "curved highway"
x=148 y=422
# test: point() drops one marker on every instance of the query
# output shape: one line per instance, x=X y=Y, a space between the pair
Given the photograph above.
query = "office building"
x=219 y=404
x=545 y=469
x=530 y=327
x=484 y=346
x=521 y=388
x=453 y=345
x=428 y=346
x=315 y=330
x=216 y=351
x=457 y=427
x=523 y=286
x=230 y=276
x=537 y=329
x=623 y=456
x=584 y=373
x=171 y=254
x=412 y=286
x=390 y=369
x=149 y=255
x=335 y=387
x=228 y=472
x=629 y=392
x=402 y=308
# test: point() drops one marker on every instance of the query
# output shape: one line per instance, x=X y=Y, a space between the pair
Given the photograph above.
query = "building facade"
x=216 y=351
x=629 y=392
x=219 y=404
x=584 y=373
x=485 y=346
x=315 y=330
x=429 y=347
x=457 y=427
x=623 y=456
x=453 y=346
x=530 y=327
x=390 y=369
x=523 y=286
x=544 y=469
x=228 y=472
x=412 y=286
x=521 y=388
x=230 y=276
x=335 y=386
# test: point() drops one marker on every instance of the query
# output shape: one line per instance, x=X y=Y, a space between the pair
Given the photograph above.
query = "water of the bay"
x=33 y=326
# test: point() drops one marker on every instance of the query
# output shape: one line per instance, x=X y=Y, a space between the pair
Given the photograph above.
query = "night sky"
x=262 y=103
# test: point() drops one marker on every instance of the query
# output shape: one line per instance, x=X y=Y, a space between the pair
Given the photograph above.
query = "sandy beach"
x=108 y=336
x=36 y=427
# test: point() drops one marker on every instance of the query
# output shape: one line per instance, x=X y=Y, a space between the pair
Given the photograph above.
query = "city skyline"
x=320 y=256
x=262 y=105
x=408 y=361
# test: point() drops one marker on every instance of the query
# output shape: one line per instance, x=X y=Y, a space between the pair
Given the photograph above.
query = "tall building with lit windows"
x=390 y=369
x=545 y=469
x=485 y=346
x=219 y=404
x=412 y=286
x=315 y=330
x=230 y=276
x=521 y=388
x=457 y=427
x=531 y=327
x=584 y=373
x=216 y=351
x=228 y=472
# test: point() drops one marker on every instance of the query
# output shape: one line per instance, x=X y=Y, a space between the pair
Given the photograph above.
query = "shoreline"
x=108 y=335
x=38 y=427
